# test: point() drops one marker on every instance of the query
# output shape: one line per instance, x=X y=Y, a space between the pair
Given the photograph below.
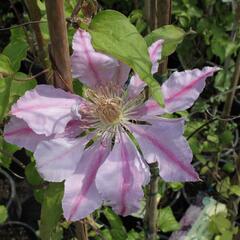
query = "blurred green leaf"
x=5 y=65
x=5 y=87
x=3 y=214
x=166 y=221
x=117 y=230
x=32 y=175
x=51 y=210
x=172 y=36
x=6 y=152
x=235 y=189
x=16 y=50
x=113 y=34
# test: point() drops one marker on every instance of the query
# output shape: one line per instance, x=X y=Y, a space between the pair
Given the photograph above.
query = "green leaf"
x=5 y=87
x=3 y=214
x=5 y=65
x=16 y=50
x=117 y=230
x=172 y=36
x=32 y=175
x=6 y=151
x=20 y=87
x=51 y=210
x=235 y=189
x=167 y=221
x=113 y=34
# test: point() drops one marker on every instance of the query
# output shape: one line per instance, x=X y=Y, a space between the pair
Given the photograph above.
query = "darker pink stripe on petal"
x=188 y=87
x=167 y=152
x=126 y=178
x=22 y=131
x=90 y=63
x=88 y=181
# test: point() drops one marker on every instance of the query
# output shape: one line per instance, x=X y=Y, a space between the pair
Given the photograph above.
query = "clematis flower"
x=100 y=144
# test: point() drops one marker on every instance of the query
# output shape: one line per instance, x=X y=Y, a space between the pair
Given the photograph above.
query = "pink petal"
x=119 y=180
x=46 y=110
x=163 y=142
x=121 y=74
x=91 y=67
x=18 y=132
x=137 y=85
x=148 y=109
x=57 y=159
x=155 y=53
x=81 y=196
x=182 y=89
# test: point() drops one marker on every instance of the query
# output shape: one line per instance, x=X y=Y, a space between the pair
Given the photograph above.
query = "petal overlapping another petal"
x=92 y=68
x=81 y=196
x=17 y=132
x=137 y=85
x=155 y=53
x=46 y=109
x=182 y=89
x=121 y=177
x=162 y=141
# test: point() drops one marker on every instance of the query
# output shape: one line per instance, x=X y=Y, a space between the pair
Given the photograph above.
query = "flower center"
x=109 y=110
x=107 y=106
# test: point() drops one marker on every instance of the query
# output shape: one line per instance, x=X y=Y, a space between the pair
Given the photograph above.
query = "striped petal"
x=182 y=89
x=18 y=132
x=155 y=53
x=162 y=141
x=57 y=159
x=46 y=109
x=81 y=196
x=90 y=67
x=121 y=177
x=148 y=109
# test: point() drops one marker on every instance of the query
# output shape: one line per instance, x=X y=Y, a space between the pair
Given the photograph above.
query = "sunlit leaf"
x=113 y=34
x=167 y=221
x=3 y=214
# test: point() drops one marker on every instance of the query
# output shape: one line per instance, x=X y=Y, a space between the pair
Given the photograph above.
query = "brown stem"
x=35 y=15
x=164 y=9
x=81 y=230
x=235 y=80
x=20 y=20
x=229 y=99
x=59 y=55
x=59 y=48
x=150 y=219
x=150 y=13
x=77 y=8
x=158 y=14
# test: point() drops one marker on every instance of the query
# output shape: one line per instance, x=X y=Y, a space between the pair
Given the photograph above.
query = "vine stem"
x=35 y=15
x=236 y=76
x=151 y=214
x=157 y=14
x=60 y=58
x=59 y=48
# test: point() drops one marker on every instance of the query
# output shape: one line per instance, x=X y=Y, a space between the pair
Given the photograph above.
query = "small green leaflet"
x=171 y=35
